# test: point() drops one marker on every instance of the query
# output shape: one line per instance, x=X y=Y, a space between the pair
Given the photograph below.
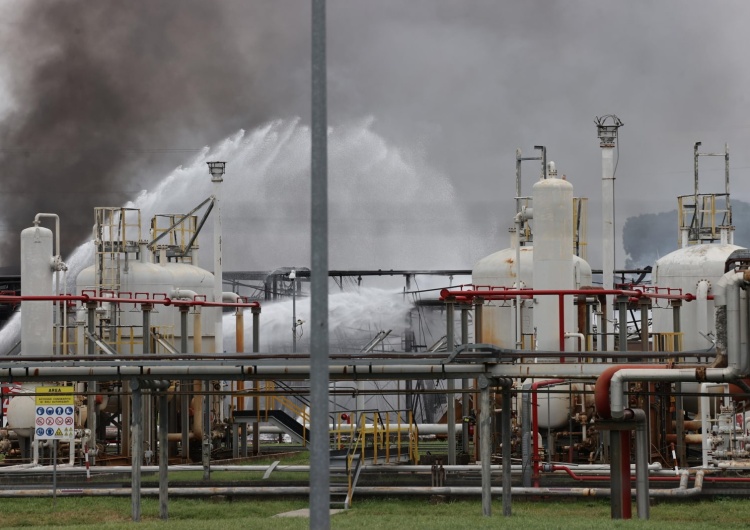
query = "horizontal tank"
x=499 y=269
x=559 y=403
x=22 y=410
x=685 y=269
x=161 y=280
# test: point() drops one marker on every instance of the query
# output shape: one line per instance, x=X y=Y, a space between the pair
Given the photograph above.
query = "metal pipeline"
x=701 y=294
x=654 y=468
x=361 y=490
x=727 y=296
x=85 y=298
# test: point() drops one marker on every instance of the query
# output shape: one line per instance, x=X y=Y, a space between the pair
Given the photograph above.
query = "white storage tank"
x=157 y=279
x=36 y=280
x=22 y=410
x=553 y=257
x=690 y=269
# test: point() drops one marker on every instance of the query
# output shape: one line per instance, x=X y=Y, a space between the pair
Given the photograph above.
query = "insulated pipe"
x=580 y=336
x=230 y=297
x=519 y=285
x=374 y=490
x=603 y=384
x=57 y=263
x=622 y=306
x=239 y=344
x=665 y=475
x=676 y=306
x=492 y=294
x=242 y=370
x=727 y=294
x=523 y=215
x=701 y=295
x=183 y=294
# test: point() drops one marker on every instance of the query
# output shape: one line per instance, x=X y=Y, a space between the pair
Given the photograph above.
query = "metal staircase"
x=344 y=473
x=280 y=419
x=378 y=437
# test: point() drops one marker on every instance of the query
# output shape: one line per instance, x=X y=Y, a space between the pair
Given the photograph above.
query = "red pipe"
x=535 y=424
x=604 y=381
x=505 y=294
x=84 y=298
x=490 y=293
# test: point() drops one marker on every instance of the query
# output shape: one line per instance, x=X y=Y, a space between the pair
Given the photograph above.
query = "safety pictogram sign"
x=54 y=407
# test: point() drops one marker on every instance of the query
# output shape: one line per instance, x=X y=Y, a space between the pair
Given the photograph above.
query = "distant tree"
x=649 y=236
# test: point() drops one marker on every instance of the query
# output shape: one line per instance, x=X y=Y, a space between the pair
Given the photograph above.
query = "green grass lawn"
x=385 y=514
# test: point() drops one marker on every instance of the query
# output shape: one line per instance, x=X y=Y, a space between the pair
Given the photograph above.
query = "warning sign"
x=54 y=406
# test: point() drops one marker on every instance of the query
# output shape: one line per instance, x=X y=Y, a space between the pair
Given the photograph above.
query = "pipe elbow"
x=720 y=291
x=617 y=410
x=183 y=294
x=230 y=298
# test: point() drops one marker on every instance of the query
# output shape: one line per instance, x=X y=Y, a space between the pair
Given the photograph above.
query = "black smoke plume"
x=108 y=95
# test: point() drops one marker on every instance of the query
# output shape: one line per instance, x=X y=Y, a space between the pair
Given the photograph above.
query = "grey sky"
x=101 y=98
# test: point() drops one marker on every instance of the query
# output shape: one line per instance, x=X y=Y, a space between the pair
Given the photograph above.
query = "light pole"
x=293 y=277
x=607 y=127
x=216 y=169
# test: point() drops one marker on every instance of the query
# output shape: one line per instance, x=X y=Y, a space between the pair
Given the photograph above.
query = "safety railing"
x=667 y=341
x=389 y=432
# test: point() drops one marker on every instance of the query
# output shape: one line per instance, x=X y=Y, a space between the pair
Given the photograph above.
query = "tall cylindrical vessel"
x=36 y=280
x=553 y=258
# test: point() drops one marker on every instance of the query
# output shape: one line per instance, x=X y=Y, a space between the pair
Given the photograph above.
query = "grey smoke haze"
x=102 y=97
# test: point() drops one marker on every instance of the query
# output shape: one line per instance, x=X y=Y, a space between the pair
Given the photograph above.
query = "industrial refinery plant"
x=536 y=377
